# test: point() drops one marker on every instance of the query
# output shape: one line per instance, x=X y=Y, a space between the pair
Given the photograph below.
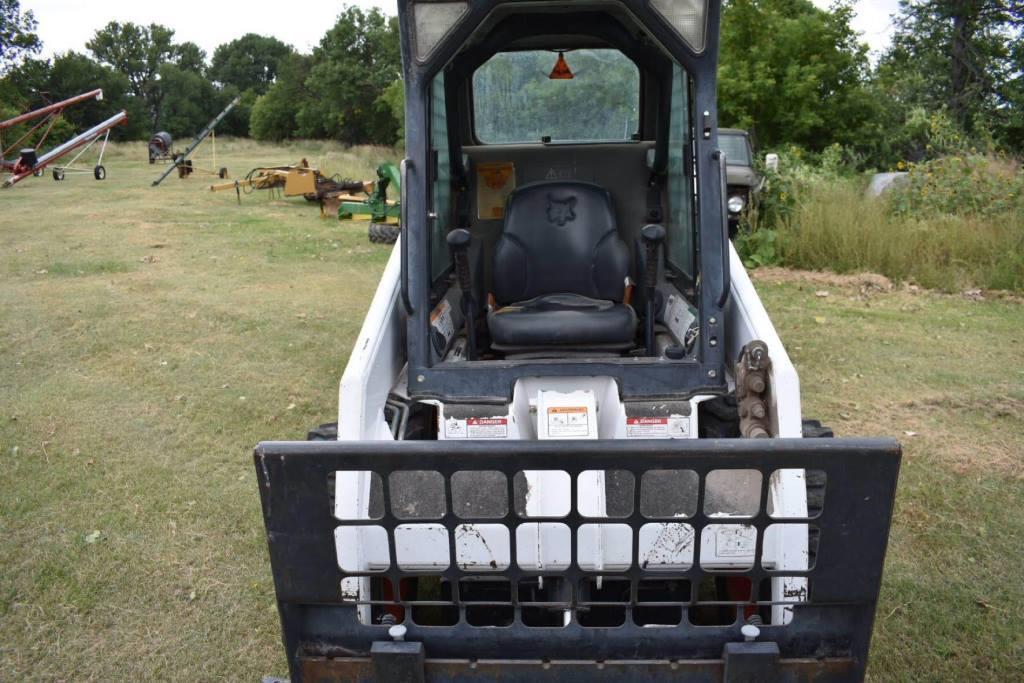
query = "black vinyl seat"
x=560 y=272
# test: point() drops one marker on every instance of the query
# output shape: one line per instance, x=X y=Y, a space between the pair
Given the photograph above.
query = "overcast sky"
x=68 y=24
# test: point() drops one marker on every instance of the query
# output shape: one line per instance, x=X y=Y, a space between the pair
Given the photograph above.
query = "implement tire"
x=384 y=233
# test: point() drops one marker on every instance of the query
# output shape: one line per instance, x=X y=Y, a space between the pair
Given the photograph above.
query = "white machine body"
x=545 y=408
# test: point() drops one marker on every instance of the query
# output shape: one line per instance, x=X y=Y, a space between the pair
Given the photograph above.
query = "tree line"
x=345 y=90
x=790 y=72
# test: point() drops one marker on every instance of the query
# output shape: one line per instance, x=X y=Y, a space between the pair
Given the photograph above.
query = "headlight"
x=735 y=203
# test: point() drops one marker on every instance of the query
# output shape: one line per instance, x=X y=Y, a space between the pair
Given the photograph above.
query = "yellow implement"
x=296 y=180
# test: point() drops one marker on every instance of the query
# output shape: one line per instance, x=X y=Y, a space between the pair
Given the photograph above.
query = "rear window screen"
x=514 y=100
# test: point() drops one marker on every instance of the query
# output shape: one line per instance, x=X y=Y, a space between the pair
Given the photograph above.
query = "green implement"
x=376 y=205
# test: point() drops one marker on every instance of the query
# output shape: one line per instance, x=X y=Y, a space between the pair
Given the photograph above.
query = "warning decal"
x=568 y=421
x=673 y=427
x=487 y=427
x=735 y=541
x=476 y=428
x=441 y=320
x=495 y=181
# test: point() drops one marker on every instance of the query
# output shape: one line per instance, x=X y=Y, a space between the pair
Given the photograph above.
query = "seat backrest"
x=560 y=237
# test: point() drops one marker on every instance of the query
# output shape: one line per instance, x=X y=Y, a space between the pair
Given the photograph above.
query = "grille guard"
x=827 y=640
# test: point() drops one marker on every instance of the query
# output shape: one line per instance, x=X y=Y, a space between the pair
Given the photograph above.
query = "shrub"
x=958 y=186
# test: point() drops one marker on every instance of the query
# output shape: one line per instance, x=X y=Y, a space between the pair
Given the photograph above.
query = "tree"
x=274 y=115
x=793 y=73
x=249 y=63
x=189 y=103
x=73 y=73
x=17 y=34
x=393 y=98
x=353 y=65
x=962 y=57
x=190 y=57
x=137 y=52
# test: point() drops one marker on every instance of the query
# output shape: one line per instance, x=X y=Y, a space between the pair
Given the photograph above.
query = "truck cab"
x=569 y=440
x=743 y=182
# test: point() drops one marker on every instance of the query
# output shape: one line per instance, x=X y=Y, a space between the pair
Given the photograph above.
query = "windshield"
x=737 y=153
x=514 y=100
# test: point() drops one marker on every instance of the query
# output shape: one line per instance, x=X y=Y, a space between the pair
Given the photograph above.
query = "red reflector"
x=561 y=71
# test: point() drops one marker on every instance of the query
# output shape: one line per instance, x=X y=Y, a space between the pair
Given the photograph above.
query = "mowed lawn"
x=149 y=337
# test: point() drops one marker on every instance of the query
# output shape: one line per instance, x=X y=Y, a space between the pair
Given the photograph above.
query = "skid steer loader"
x=569 y=442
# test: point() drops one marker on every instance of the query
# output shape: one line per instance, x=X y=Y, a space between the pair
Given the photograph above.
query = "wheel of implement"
x=99 y=173
x=384 y=233
x=58 y=174
x=222 y=173
x=38 y=174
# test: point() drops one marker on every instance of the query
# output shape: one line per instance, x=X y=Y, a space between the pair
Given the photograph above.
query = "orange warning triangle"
x=561 y=72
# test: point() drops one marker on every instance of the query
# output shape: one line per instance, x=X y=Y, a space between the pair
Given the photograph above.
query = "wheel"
x=38 y=174
x=222 y=173
x=325 y=432
x=815 y=479
x=99 y=173
x=384 y=233
x=58 y=174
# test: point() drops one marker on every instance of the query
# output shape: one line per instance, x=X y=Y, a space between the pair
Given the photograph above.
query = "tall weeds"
x=958 y=222
x=836 y=228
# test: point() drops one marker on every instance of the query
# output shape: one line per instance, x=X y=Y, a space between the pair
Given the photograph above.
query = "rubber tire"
x=384 y=233
x=58 y=174
x=99 y=173
x=222 y=173
x=325 y=432
x=815 y=479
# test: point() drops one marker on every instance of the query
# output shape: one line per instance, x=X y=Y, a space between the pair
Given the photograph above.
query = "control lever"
x=458 y=242
x=653 y=235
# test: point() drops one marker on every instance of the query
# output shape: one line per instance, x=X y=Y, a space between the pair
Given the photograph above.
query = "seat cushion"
x=563 y=320
x=559 y=237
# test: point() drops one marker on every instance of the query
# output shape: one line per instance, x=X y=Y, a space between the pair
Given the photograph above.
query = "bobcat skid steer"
x=569 y=443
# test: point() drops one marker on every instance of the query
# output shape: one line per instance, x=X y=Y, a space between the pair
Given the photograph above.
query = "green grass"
x=131 y=396
x=834 y=227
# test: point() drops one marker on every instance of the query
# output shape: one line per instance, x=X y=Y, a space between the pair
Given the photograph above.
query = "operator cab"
x=570 y=220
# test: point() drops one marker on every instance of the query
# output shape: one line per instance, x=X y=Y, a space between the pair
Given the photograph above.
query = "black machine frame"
x=492 y=381
x=827 y=639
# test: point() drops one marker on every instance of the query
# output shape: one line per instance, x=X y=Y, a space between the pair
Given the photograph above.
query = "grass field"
x=150 y=337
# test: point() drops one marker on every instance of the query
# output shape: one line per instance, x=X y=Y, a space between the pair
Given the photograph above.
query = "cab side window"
x=441 y=186
x=680 y=178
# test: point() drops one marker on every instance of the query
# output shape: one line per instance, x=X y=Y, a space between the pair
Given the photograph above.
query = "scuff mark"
x=464 y=530
x=671 y=545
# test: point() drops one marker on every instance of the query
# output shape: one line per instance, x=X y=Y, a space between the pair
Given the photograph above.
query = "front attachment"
x=703 y=560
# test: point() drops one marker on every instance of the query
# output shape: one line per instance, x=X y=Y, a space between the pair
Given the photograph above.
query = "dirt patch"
x=862 y=281
x=924 y=428
x=870 y=283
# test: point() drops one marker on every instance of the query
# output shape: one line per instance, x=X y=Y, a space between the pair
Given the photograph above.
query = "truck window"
x=680 y=178
x=737 y=152
x=441 y=192
x=515 y=101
